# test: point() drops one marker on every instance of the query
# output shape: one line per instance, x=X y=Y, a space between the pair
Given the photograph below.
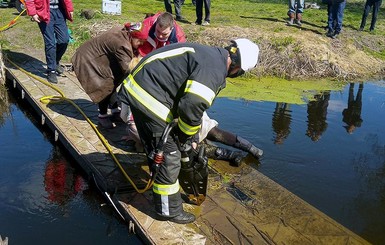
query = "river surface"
x=330 y=152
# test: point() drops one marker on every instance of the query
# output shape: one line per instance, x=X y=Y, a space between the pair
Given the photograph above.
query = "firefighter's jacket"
x=177 y=81
x=102 y=63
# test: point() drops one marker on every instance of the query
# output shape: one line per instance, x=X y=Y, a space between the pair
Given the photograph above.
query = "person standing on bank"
x=177 y=7
x=198 y=10
x=179 y=81
x=376 y=4
x=51 y=17
x=335 y=21
x=295 y=12
x=102 y=63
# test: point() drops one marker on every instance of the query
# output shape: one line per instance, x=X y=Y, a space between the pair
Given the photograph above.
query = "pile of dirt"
x=296 y=57
x=305 y=56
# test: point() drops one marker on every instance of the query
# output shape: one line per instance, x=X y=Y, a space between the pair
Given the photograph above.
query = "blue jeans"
x=300 y=6
x=56 y=38
x=337 y=15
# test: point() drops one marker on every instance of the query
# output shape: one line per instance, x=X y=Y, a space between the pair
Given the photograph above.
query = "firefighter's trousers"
x=166 y=194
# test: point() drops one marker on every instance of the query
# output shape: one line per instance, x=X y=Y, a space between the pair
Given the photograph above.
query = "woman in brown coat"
x=102 y=63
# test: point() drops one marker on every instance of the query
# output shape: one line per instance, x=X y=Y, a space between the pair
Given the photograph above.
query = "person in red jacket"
x=51 y=16
x=163 y=30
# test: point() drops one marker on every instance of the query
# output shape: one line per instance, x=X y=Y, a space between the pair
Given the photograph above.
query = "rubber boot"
x=245 y=145
x=234 y=157
x=183 y=218
x=298 y=19
x=290 y=22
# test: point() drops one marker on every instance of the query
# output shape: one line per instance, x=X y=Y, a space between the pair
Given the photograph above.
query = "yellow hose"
x=56 y=99
x=12 y=22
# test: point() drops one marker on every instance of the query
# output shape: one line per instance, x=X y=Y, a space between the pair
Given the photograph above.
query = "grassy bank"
x=290 y=53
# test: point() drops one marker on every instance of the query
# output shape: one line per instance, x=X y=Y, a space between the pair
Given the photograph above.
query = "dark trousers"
x=368 y=5
x=337 y=15
x=167 y=203
x=199 y=8
x=106 y=102
x=177 y=6
x=56 y=38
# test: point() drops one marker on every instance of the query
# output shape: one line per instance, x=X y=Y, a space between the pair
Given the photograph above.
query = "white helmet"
x=248 y=52
x=244 y=54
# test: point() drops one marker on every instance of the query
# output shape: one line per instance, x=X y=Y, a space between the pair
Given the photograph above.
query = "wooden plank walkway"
x=245 y=207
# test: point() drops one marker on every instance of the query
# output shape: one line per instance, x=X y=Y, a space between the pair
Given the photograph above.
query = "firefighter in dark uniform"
x=179 y=81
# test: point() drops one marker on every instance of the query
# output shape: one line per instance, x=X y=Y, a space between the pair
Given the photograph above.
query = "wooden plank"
x=242 y=206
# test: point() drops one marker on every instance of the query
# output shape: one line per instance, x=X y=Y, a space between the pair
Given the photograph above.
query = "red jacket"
x=176 y=36
x=41 y=8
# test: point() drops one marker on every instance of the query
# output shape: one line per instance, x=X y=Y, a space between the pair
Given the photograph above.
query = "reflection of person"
x=316 y=111
x=162 y=31
x=281 y=122
x=102 y=63
x=352 y=114
x=51 y=17
x=179 y=81
x=376 y=4
x=336 y=18
x=60 y=180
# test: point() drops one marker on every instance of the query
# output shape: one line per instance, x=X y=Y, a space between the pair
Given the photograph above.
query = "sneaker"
x=51 y=77
x=298 y=22
x=59 y=69
x=329 y=34
x=335 y=35
x=115 y=117
x=360 y=29
x=105 y=122
x=290 y=22
x=196 y=23
x=205 y=23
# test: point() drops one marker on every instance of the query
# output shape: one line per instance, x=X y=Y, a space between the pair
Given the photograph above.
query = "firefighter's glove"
x=201 y=159
x=184 y=141
x=188 y=158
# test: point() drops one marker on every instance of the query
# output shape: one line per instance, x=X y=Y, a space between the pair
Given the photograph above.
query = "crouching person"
x=179 y=81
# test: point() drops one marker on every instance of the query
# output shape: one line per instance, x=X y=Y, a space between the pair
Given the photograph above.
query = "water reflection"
x=352 y=114
x=61 y=181
x=281 y=122
x=316 y=115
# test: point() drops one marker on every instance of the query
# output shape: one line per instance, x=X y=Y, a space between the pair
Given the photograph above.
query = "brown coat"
x=101 y=63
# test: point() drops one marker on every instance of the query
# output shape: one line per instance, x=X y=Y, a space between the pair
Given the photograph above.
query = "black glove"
x=183 y=140
x=188 y=158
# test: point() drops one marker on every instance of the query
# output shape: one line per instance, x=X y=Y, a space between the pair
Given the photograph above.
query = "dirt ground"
x=291 y=53
x=307 y=55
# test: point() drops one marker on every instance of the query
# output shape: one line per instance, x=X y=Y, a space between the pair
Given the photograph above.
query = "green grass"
x=266 y=16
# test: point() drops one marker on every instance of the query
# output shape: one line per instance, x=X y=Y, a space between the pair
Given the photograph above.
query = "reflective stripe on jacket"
x=177 y=81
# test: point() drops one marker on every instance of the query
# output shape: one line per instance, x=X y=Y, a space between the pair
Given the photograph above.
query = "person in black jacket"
x=179 y=81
